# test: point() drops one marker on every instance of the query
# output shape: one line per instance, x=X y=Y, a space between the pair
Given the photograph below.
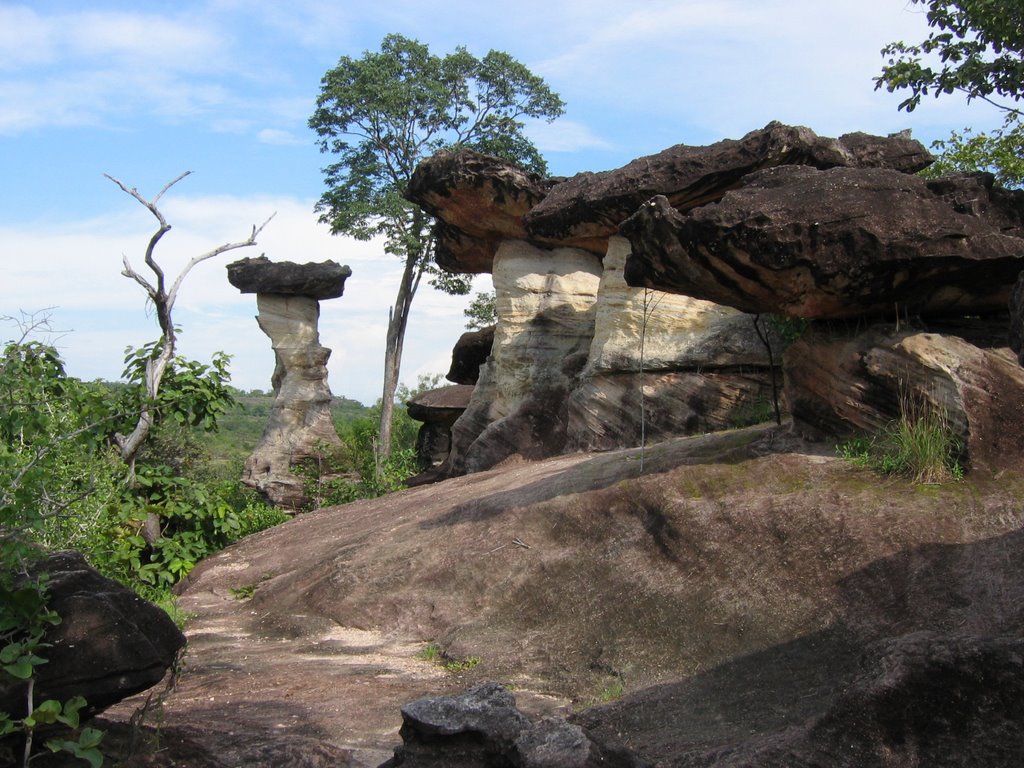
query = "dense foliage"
x=63 y=485
x=976 y=48
x=380 y=115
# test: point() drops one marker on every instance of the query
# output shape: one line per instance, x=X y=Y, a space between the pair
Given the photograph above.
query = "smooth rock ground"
x=732 y=592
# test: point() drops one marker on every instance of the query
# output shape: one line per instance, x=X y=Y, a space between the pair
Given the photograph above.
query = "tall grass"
x=920 y=445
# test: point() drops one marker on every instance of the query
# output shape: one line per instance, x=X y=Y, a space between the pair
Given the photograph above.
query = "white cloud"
x=278 y=137
x=564 y=136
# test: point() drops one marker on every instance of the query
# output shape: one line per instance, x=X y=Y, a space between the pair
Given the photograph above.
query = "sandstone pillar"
x=299 y=426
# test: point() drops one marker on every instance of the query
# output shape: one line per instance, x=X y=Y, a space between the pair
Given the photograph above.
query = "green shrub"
x=919 y=445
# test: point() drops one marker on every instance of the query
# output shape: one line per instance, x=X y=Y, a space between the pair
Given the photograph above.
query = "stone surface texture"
x=588 y=208
x=481 y=728
x=299 y=424
x=480 y=201
x=545 y=305
x=703 y=366
x=470 y=352
x=840 y=384
x=1017 y=319
x=438 y=409
x=837 y=243
x=319 y=280
x=109 y=644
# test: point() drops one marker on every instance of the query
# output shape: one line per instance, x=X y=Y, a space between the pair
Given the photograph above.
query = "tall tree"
x=383 y=113
x=976 y=48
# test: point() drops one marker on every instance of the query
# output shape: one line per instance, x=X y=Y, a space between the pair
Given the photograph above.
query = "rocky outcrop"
x=438 y=409
x=840 y=384
x=479 y=200
x=545 y=304
x=588 y=208
x=837 y=243
x=470 y=352
x=664 y=364
x=1017 y=319
x=299 y=425
x=482 y=728
x=109 y=644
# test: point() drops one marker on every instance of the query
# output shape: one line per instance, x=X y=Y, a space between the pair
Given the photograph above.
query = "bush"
x=919 y=445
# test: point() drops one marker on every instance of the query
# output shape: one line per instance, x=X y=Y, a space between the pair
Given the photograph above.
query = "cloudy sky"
x=146 y=90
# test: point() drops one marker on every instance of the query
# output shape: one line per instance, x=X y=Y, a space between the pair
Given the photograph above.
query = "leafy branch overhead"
x=976 y=49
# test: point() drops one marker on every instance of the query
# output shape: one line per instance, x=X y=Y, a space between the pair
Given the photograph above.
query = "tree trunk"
x=398 y=320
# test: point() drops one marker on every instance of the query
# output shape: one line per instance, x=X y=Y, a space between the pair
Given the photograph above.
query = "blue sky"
x=145 y=90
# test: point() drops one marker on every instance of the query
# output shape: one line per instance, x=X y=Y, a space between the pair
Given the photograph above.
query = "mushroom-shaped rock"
x=838 y=243
x=438 y=409
x=324 y=280
x=469 y=353
x=299 y=424
x=480 y=200
x=586 y=209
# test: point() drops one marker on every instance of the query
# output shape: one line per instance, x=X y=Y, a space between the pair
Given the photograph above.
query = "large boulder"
x=588 y=208
x=841 y=384
x=838 y=243
x=109 y=645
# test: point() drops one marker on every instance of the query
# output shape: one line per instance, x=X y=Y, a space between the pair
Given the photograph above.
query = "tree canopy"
x=976 y=48
x=380 y=115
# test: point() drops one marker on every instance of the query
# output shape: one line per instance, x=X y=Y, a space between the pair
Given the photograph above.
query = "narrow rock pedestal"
x=299 y=426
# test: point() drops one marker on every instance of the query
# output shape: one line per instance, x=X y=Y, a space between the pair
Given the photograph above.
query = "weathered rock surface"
x=545 y=306
x=109 y=644
x=588 y=208
x=482 y=728
x=838 y=384
x=837 y=243
x=481 y=201
x=323 y=280
x=470 y=352
x=299 y=424
x=1017 y=319
x=703 y=366
x=438 y=409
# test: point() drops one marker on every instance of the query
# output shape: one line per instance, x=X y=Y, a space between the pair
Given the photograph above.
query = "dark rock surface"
x=840 y=383
x=588 y=208
x=109 y=645
x=1017 y=319
x=481 y=201
x=838 y=243
x=438 y=409
x=324 y=280
x=470 y=352
x=482 y=728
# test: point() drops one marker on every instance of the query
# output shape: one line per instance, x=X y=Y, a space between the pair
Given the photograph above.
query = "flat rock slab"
x=323 y=280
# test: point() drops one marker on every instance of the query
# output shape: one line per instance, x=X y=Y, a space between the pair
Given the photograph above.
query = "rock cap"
x=323 y=280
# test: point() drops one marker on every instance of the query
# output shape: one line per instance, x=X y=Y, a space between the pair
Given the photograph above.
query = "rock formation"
x=704 y=366
x=438 y=409
x=110 y=643
x=1017 y=319
x=299 y=424
x=482 y=728
x=843 y=242
x=932 y=258
x=470 y=352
